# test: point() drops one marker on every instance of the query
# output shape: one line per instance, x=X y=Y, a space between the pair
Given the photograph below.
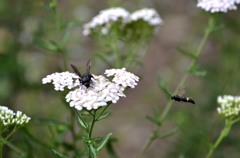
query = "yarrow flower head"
x=61 y=80
x=229 y=105
x=218 y=5
x=21 y=118
x=148 y=15
x=102 y=90
x=105 y=19
x=122 y=77
x=8 y=117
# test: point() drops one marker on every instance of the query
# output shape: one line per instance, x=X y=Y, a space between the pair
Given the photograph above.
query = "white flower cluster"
x=148 y=15
x=8 y=117
x=218 y=5
x=106 y=18
x=101 y=92
x=122 y=77
x=229 y=105
x=61 y=80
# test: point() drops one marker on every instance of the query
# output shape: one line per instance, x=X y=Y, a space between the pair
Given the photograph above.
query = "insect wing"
x=88 y=67
x=76 y=70
x=176 y=98
x=190 y=101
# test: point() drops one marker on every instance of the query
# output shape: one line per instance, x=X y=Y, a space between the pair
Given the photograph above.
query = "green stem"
x=73 y=131
x=105 y=108
x=135 y=48
x=4 y=141
x=198 y=51
x=102 y=57
x=146 y=145
x=224 y=133
x=235 y=120
x=1 y=147
x=194 y=60
x=90 y=131
x=114 y=47
x=80 y=117
x=131 y=55
x=166 y=110
x=11 y=133
x=11 y=146
x=92 y=125
x=59 y=35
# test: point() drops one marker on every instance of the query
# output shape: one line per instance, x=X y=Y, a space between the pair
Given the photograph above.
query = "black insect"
x=182 y=99
x=86 y=78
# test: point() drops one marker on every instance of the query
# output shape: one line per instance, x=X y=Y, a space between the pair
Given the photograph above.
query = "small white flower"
x=62 y=80
x=102 y=93
x=8 y=117
x=105 y=20
x=218 y=5
x=122 y=77
x=21 y=118
x=148 y=15
x=229 y=105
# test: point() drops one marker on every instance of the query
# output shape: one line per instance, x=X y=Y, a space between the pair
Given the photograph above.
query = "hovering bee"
x=182 y=99
x=86 y=78
x=176 y=97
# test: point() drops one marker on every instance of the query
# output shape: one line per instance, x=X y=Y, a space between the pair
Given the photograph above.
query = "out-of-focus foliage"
x=31 y=46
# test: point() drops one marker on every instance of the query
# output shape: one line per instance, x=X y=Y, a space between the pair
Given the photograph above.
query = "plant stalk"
x=166 y=110
x=224 y=133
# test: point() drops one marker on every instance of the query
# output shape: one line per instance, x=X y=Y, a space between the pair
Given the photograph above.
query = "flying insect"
x=86 y=78
x=182 y=99
x=175 y=97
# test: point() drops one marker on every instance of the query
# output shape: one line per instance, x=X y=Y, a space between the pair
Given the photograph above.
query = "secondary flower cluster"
x=106 y=19
x=101 y=92
x=148 y=15
x=229 y=105
x=218 y=5
x=8 y=117
x=62 y=80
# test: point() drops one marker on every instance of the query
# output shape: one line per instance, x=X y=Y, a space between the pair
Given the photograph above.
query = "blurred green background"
x=23 y=63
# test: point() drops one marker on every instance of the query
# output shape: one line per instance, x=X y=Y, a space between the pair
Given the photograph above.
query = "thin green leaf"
x=153 y=120
x=49 y=122
x=156 y=111
x=103 y=116
x=52 y=5
x=68 y=146
x=58 y=154
x=197 y=71
x=30 y=137
x=67 y=25
x=103 y=58
x=48 y=45
x=110 y=149
x=103 y=142
x=81 y=123
x=187 y=53
x=135 y=63
x=167 y=134
x=93 y=151
x=163 y=88
x=13 y=147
